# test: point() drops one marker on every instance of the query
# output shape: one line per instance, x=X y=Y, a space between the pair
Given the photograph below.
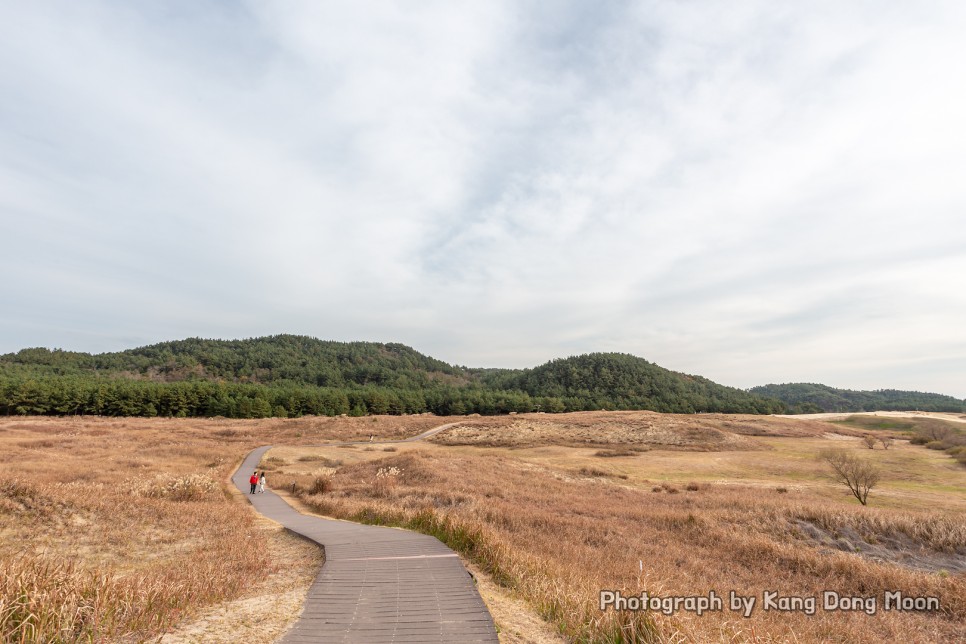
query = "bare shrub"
x=386 y=480
x=322 y=460
x=781 y=490
x=599 y=473
x=612 y=453
x=44 y=444
x=320 y=485
x=886 y=441
x=870 y=441
x=390 y=449
x=191 y=487
x=858 y=474
x=935 y=431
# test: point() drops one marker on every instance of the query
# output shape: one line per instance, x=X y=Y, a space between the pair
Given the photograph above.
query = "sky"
x=756 y=192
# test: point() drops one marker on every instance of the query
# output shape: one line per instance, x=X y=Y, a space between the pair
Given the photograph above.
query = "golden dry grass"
x=116 y=530
x=124 y=529
x=558 y=524
x=112 y=530
x=271 y=604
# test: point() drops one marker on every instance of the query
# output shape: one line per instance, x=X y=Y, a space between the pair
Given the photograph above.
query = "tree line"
x=296 y=375
x=809 y=398
x=70 y=395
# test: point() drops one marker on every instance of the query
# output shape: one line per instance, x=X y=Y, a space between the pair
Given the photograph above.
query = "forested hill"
x=622 y=381
x=268 y=360
x=805 y=398
x=296 y=375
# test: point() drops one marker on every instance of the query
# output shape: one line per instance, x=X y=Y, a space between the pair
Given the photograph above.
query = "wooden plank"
x=378 y=584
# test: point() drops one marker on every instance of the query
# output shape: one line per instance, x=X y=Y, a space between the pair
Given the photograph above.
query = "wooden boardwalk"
x=378 y=584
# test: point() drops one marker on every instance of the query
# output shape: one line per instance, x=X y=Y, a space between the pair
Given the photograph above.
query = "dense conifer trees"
x=290 y=375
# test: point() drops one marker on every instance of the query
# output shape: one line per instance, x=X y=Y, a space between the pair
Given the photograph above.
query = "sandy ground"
x=708 y=432
x=953 y=418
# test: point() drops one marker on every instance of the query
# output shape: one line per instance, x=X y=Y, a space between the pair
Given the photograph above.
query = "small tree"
x=858 y=474
x=886 y=441
x=934 y=431
x=869 y=441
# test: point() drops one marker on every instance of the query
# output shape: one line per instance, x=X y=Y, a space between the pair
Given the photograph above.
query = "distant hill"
x=295 y=375
x=623 y=381
x=805 y=398
x=273 y=359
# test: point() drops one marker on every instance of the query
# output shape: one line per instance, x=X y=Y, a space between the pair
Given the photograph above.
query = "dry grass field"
x=127 y=530
x=560 y=507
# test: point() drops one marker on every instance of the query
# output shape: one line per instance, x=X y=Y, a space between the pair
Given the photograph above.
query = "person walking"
x=261 y=483
x=253 y=479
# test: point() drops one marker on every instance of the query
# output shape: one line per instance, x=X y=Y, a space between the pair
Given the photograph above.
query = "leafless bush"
x=191 y=487
x=612 y=453
x=935 y=431
x=870 y=441
x=386 y=480
x=858 y=474
x=320 y=485
x=322 y=460
x=886 y=441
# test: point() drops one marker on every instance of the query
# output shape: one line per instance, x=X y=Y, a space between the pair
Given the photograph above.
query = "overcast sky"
x=751 y=191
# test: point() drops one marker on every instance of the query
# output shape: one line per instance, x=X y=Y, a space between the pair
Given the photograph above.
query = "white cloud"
x=751 y=192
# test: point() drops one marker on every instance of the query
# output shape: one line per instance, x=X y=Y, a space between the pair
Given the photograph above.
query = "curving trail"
x=378 y=584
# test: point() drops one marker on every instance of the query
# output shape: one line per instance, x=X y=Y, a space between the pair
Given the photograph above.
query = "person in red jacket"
x=253 y=479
